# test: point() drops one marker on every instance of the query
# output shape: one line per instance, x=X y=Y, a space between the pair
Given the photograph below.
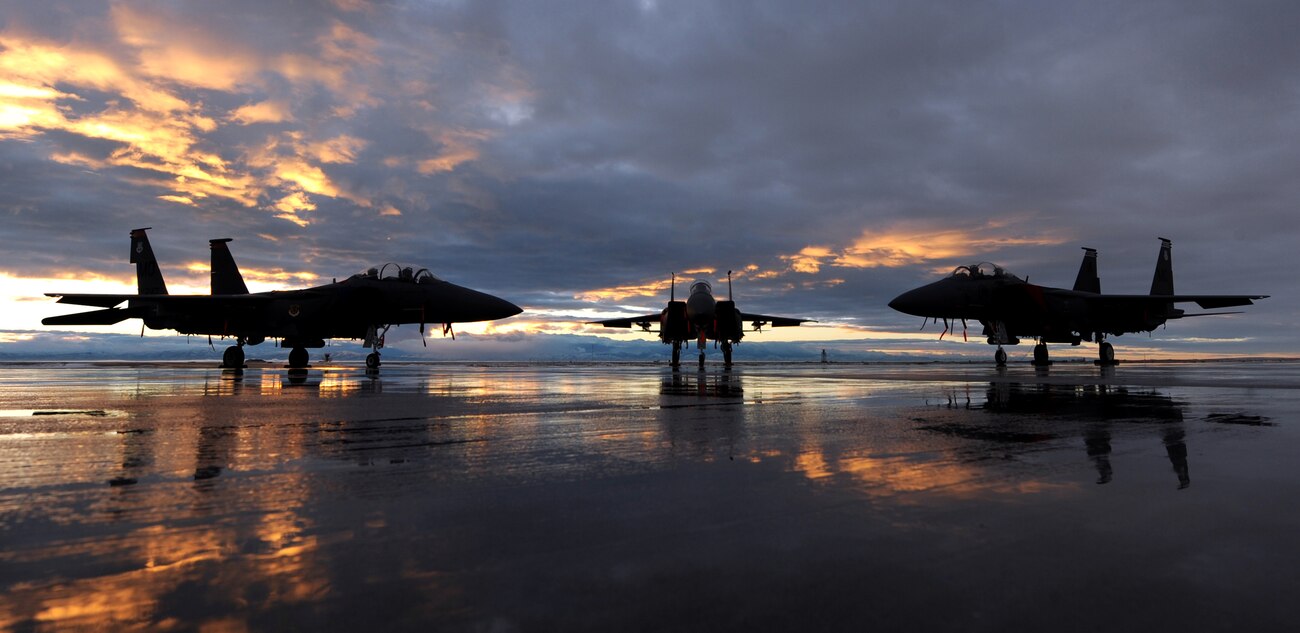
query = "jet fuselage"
x=346 y=309
x=1055 y=315
x=1009 y=307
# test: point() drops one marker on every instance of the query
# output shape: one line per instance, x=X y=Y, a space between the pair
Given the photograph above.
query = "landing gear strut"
x=677 y=354
x=726 y=354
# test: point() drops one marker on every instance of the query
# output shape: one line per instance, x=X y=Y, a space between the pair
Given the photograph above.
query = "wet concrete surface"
x=627 y=497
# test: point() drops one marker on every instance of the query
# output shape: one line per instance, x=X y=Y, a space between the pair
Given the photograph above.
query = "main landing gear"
x=298 y=358
x=1000 y=357
x=233 y=358
x=1041 y=358
x=677 y=354
x=1106 y=355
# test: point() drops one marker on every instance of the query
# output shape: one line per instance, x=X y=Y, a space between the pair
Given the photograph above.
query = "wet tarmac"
x=626 y=497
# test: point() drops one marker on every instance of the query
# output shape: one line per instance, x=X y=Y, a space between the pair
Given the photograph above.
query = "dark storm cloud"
x=1113 y=123
x=547 y=150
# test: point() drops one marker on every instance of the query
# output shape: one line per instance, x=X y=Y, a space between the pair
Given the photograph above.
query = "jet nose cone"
x=490 y=308
x=911 y=302
x=503 y=309
x=452 y=303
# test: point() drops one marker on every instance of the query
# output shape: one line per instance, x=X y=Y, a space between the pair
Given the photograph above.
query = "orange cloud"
x=188 y=55
x=917 y=243
x=268 y=278
x=656 y=288
x=808 y=260
x=263 y=112
x=459 y=147
x=159 y=129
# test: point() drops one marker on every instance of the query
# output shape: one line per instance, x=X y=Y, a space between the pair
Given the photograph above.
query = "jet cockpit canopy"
x=398 y=272
x=701 y=286
x=982 y=269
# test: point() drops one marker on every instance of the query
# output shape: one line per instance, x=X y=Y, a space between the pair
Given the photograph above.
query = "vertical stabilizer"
x=148 y=277
x=226 y=278
x=1163 y=282
x=1087 y=280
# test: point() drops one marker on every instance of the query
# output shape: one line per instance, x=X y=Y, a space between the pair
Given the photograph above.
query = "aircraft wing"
x=642 y=322
x=1206 y=302
x=146 y=304
x=98 y=301
x=760 y=320
x=96 y=317
x=108 y=301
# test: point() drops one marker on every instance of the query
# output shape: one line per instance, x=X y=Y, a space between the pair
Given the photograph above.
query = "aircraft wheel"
x=372 y=360
x=1000 y=357
x=701 y=361
x=1040 y=355
x=297 y=358
x=726 y=354
x=233 y=358
x=677 y=354
x=1106 y=352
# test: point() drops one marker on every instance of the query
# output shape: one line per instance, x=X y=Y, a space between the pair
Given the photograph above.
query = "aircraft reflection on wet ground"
x=723 y=384
x=1028 y=414
x=598 y=497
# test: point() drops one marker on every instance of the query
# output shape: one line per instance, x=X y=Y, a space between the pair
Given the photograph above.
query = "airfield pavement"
x=517 y=497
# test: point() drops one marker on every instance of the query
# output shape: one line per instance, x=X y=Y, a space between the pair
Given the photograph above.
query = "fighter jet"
x=701 y=318
x=362 y=306
x=1009 y=307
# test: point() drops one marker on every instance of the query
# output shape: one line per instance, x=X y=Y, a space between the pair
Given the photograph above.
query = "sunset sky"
x=568 y=156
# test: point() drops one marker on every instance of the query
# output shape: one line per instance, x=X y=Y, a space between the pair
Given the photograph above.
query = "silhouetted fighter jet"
x=362 y=306
x=701 y=318
x=1009 y=307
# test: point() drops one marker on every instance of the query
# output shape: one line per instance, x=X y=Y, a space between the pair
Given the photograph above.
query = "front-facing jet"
x=701 y=318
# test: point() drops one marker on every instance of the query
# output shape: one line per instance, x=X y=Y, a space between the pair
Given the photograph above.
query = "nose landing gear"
x=375 y=341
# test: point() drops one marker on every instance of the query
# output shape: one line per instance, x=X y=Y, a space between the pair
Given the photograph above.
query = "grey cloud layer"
x=613 y=142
